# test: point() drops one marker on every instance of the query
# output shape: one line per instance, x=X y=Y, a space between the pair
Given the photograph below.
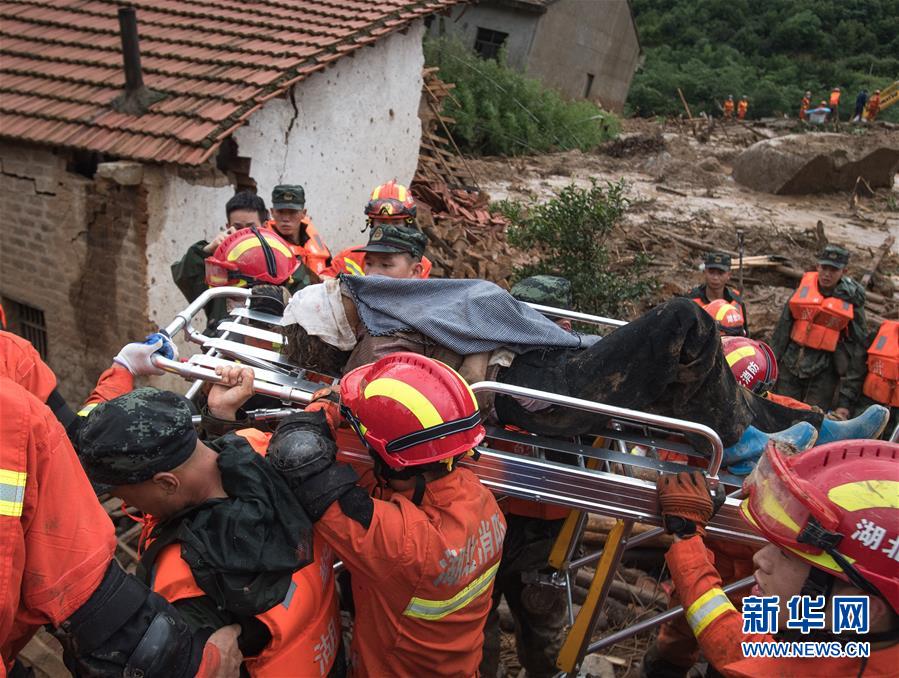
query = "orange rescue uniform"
x=56 y=541
x=305 y=626
x=882 y=382
x=803 y=107
x=353 y=263
x=314 y=254
x=728 y=109
x=422 y=576
x=818 y=321
x=742 y=107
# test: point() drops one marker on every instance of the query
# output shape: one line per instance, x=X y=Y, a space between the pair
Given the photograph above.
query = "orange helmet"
x=727 y=314
x=752 y=363
x=833 y=506
x=391 y=202
x=411 y=410
x=251 y=257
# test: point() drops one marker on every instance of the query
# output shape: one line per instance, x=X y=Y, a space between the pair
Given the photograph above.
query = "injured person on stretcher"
x=668 y=361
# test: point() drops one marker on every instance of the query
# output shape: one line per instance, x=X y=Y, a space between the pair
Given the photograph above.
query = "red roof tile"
x=214 y=61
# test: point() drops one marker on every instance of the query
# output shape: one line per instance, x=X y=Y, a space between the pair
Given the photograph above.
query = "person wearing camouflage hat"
x=227 y=539
x=716 y=274
x=291 y=222
x=822 y=361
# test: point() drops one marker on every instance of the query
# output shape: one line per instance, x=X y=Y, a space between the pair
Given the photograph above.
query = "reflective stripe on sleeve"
x=438 y=609
x=12 y=492
x=87 y=409
x=707 y=608
x=352 y=267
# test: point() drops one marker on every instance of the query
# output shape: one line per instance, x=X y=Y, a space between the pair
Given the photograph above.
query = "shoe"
x=750 y=447
x=742 y=468
x=869 y=424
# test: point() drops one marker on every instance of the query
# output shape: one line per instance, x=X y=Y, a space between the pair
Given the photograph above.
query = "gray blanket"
x=465 y=316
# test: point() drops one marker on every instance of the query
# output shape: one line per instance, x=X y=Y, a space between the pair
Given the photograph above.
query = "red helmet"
x=391 y=202
x=411 y=410
x=727 y=314
x=250 y=257
x=752 y=362
x=834 y=506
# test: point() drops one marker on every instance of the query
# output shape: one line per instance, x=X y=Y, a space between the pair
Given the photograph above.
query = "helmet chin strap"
x=438 y=469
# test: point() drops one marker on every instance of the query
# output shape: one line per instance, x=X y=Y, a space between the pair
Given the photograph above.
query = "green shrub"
x=498 y=111
x=570 y=232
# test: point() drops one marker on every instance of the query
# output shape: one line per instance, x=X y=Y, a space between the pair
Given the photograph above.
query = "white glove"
x=136 y=357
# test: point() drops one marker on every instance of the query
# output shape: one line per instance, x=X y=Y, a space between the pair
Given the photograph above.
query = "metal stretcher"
x=598 y=478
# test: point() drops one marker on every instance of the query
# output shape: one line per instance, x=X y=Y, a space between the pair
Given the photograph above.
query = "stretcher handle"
x=183 y=319
x=613 y=411
x=193 y=372
x=575 y=315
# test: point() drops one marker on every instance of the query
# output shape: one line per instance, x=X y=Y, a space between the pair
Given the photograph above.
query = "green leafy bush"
x=498 y=111
x=772 y=51
x=570 y=232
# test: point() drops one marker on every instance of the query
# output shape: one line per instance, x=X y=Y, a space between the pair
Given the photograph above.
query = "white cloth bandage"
x=318 y=309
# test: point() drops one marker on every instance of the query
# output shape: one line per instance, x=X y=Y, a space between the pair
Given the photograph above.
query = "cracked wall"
x=74 y=248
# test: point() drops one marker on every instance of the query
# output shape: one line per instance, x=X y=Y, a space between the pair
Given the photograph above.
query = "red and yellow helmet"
x=411 y=410
x=391 y=202
x=727 y=314
x=251 y=257
x=752 y=363
x=836 y=507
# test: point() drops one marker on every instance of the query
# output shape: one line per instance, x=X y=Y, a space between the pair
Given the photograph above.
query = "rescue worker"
x=819 y=339
x=291 y=222
x=829 y=515
x=729 y=108
x=479 y=329
x=716 y=274
x=819 y=115
x=873 y=107
x=860 y=101
x=225 y=541
x=881 y=383
x=538 y=606
x=396 y=246
x=742 y=107
x=803 y=106
x=420 y=536
x=57 y=566
x=834 y=103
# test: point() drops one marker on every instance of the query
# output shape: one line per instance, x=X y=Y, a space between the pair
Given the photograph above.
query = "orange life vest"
x=314 y=254
x=818 y=321
x=834 y=99
x=882 y=382
x=305 y=626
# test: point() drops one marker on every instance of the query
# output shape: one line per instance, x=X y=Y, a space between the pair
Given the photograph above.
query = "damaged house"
x=106 y=180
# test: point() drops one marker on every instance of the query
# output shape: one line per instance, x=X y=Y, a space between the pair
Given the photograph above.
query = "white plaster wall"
x=356 y=125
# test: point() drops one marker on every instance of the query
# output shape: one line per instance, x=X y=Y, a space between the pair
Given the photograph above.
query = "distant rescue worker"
x=881 y=383
x=57 y=566
x=803 y=106
x=742 y=107
x=729 y=107
x=225 y=540
x=834 y=103
x=873 y=107
x=716 y=274
x=830 y=517
x=860 y=101
x=420 y=536
x=819 y=339
x=291 y=222
x=819 y=115
x=395 y=247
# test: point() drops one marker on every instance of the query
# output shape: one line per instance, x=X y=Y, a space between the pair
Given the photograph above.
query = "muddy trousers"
x=668 y=361
x=538 y=607
x=818 y=391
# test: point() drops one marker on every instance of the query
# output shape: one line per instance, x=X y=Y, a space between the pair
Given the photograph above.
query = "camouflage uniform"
x=538 y=607
x=822 y=378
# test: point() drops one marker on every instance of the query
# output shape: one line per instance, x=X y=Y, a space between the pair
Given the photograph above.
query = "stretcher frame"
x=590 y=485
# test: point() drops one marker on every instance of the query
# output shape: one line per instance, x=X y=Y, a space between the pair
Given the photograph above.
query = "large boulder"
x=816 y=163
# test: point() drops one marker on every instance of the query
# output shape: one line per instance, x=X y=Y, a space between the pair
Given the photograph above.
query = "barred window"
x=28 y=322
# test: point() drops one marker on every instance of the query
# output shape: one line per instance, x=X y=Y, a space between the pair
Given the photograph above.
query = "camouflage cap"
x=834 y=255
x=288 y=197
x=719 y=260
x=393 y=238
x=546 y=290
x=129 y=439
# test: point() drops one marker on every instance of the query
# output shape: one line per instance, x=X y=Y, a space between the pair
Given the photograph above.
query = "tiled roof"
x=215 y=61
